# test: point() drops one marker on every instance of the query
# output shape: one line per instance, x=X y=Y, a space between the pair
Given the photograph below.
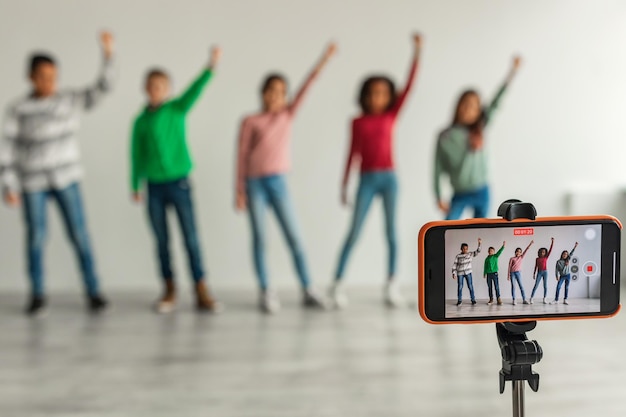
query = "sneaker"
x=337 y=297
x=514 y=302
x=490 y=302
x=545 y=301
x=524 y=302
x=97 y=304
x=205 y=303
x=499 y=301
x=554 y=302
x=473 y=302
x=167 y=303
x=269 y=302
x=458 y=303
x=531 y=301
x=392 y=297
x=313 y=300
x=36 y=306
x=565 y=302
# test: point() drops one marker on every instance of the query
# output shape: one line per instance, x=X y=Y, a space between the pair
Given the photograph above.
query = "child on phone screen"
x=462 y=270
x=515 y=272
x=541 y=271
x=491 y=273
x=562 y=274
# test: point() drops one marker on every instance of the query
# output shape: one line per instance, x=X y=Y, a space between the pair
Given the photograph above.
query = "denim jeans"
x=385 y=184
x=470 y=285
x=541 y=275
x=272 y=191
x=492 y=280
x=477 y=200
x=564 y=279
x=70 y=203
x=176 y=194
x=517 y=277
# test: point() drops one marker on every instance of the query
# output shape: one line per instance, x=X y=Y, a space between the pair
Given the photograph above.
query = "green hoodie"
x=491 y=262
x=159 y=151
x=466 y=169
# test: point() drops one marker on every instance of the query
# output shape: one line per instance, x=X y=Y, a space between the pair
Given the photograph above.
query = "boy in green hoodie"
x=160 y=157
x=491 y=273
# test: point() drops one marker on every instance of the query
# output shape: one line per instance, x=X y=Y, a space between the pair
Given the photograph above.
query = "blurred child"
x=262 y=162
x=372 y=146
x=460 y=153
x=462 y=270
x=515 y=271
x=160 y=157
x=563 y=275
x=541 y=271
x=40 y=160
x=491 y=273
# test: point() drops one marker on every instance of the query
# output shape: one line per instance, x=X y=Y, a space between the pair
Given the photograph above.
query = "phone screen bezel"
x=432 y=265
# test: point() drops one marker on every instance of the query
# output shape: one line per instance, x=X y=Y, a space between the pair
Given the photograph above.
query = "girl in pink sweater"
x=372 y=147
x=262 y=162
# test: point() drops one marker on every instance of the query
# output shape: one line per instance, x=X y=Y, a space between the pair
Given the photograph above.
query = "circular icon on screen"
x=574 y=269
x=590 y=268
x=590 y=234
x=574 y=277
x=574 y=260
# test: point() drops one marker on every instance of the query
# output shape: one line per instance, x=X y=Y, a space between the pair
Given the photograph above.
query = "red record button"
x=590 y=268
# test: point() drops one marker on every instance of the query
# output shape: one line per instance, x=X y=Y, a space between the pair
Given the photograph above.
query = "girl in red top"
x=541 y=271
x=372 y=146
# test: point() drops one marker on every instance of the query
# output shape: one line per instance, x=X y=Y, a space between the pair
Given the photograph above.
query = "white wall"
x=561 y=121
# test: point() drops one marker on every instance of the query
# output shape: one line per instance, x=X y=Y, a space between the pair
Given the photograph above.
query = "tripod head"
x=518 y=353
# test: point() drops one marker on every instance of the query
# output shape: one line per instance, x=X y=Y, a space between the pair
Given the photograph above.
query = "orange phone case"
x=421 y=267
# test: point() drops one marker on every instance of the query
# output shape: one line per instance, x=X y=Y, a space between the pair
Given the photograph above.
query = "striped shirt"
x=39 y=149
x=463 y=263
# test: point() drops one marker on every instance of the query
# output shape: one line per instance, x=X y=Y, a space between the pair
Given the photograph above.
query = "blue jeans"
x=492 y=281
x=272 y=191
x=178 y=195
x=477 y=200
x=470 y=285
x=564 y=279
x=385 y=184
x=517 y=277
x=541 y=275
x=70 y=203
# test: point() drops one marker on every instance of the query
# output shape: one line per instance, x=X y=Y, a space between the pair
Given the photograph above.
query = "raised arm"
x=190 y=96
x=243 y=152
x=353 y=154
x=8 y=174
x=330 y=50
x=417 y=47
x=90 y=96
x=495 y=102
x=437 y=173
x=527 y=247
x=573 y=249
x=500 y=250
x=551 y=246
x=477 y=251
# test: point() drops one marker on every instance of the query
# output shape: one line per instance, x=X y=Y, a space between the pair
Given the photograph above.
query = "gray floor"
x=481 y=309
x=364 y=361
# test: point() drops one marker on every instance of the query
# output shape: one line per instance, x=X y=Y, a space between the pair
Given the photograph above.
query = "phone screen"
x=540 y=270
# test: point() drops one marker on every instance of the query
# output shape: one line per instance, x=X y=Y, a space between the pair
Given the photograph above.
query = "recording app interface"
x=510 y=271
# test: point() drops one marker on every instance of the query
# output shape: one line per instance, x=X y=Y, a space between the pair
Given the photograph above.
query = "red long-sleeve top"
x=372 y=134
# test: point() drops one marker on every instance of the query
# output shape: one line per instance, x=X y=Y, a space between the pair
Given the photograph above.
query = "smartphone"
x=546 y=269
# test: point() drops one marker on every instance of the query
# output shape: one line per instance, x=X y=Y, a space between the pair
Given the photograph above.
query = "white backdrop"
x=562 y=120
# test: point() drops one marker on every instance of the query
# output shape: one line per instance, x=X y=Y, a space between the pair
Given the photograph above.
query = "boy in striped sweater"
x=462 y=269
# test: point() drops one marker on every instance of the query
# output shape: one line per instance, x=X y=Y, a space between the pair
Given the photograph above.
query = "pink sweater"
x=264 y=140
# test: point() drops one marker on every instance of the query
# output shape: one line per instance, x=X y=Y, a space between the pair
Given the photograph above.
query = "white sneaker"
x=525 y=302
x=392 y=296
x=565 y=302
x=490 y=302
x=545 y=301
x=554 y=302
x=311 y=299
x=531 y=301
x=269 y=302
x=514 y=302
x=337 y=297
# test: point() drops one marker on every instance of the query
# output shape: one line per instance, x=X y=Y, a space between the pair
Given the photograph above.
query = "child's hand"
x=106 y=41
x=443 y=206
x=417 y=41
x=12 y=199
x=504 y=243
x=453 y=276
x=137 y=197
x=216 y=56
x=241 y=202
x=517 y=62
x=552 y=239
x=576 y=244
x=485 y=277
x=344 y=197
x=331 y=50
x=480 y=241
x=531 y=242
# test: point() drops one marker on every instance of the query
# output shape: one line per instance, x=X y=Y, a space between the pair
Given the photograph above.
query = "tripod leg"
x=518 y=399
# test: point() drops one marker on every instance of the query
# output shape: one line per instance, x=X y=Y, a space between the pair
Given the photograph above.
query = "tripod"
x=518 y=353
